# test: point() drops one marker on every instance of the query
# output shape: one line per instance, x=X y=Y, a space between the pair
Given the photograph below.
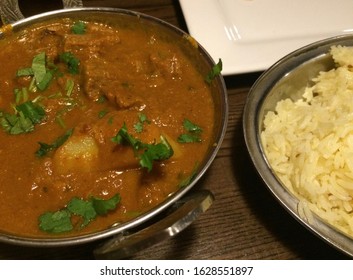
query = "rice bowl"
x=309 y=143
x=298 y=128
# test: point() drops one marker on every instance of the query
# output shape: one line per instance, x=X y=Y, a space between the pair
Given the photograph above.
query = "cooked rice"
x=309 y=143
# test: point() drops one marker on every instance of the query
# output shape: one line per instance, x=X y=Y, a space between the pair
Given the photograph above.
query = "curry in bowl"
x=100 y=122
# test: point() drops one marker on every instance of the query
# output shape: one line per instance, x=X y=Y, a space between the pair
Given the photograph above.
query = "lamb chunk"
x=90 y=44
x=123 y=99
x=53 y=43
x=48 y=41
x=102 y=79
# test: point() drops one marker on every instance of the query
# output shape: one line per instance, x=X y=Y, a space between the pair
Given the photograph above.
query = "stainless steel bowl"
x=182 y=207
x=284 y=79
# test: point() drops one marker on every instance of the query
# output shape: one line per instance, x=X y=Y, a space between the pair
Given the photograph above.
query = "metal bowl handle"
x=10 y=10
x=184 y=212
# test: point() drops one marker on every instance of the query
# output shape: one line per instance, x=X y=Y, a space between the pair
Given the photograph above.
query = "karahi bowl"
x=179 y=209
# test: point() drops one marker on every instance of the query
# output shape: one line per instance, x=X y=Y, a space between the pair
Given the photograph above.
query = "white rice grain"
x=309 y=144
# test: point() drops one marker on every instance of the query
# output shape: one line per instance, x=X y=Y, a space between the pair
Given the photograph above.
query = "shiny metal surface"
x=199 y=56
x=284 y=79
x=182 y=214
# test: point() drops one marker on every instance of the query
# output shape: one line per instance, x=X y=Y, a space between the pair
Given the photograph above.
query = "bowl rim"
x=251 y=131
x=171 y=199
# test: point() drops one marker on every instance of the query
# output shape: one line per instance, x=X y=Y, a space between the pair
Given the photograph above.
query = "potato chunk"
x=78 y=153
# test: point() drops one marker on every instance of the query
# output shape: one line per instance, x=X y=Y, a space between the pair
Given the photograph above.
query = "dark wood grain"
x=244 y=222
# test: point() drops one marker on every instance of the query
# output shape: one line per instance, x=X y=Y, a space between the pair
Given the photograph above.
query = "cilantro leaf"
x=56 y=222
x=124 y=136
x=27 y=115
x=79 y=27
x=191 y=127
x=88 y=210
x=102 y=113
x=38 y=67
x=188 y=138
x=186 y=181
x=32 y=111
x=16 y=124
x=43 y=84
x=42 y=75
x=142 y=120
x=71 y=61
x=138 y=127
x=82 y=208
x=69 y=87
x=155 y=152
x=215 y=71
x=102 y=207
x=24 y=72
x=21 y=94
x=193 y=135
x=147 y=153
x=46 y=148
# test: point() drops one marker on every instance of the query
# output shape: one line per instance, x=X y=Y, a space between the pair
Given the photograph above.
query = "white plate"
x=251 y=35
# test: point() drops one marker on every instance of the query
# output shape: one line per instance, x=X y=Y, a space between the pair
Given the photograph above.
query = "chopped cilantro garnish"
x=16 y=124
x=102 y=207
x=193 y=133
x=191 y=127
x=32 y=86
x=123 y=136
x=102 y=113
x=142 y=120
x=138 y=127
x=83 y=208
x=60 y=221
x=25 y=72
x=55 y=95
x=21 y=95
x=147 y=153
x=215 y=71
x=71 y=61
x=69 y=87
x=38 y=67
x=27 y=115
x=186 y=181
x=39 y=70
x=60 y=121
x=79 y=27
x=46 y=148
x=32 y=111
x=155 y=152
x=42 y=74
x=43 y=84
x=188 y=138
x=56 y=222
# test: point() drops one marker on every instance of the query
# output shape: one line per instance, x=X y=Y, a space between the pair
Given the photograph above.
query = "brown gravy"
x=132 y=77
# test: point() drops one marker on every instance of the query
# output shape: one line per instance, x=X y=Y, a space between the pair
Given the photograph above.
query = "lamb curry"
x=98 y=124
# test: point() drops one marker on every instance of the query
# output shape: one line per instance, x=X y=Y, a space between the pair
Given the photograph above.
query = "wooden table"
x=244 y=222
